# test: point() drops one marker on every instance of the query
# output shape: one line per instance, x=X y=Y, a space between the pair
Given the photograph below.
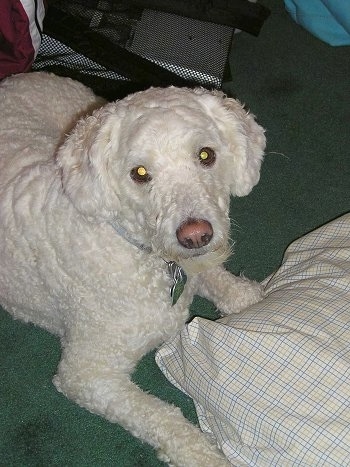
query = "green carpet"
x=298 y=87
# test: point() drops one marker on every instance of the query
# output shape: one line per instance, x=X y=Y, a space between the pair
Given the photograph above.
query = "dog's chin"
x=208 y=260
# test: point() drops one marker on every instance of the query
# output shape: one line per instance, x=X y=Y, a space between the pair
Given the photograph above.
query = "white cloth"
x=272 y=384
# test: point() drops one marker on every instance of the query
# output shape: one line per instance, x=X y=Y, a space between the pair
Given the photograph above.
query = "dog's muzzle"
x=194 y=233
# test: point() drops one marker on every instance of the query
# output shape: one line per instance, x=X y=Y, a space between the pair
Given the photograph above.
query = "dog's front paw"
x=229 y=293
x=244 y=293
x=195 y=454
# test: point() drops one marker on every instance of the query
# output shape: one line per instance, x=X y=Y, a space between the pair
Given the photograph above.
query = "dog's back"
x=36 y=110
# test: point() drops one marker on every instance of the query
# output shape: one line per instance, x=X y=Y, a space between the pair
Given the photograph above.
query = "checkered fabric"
x=272 y=384
x=54 y=52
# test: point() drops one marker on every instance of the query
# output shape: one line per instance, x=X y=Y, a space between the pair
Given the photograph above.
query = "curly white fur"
x=65 y=268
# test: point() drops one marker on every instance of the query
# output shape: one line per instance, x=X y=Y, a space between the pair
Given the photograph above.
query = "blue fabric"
x=329 y=20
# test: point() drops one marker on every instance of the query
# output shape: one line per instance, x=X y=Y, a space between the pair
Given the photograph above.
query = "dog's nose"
x=194 y=233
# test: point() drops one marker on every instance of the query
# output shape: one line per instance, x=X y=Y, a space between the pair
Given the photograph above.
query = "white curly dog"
x=98 y=227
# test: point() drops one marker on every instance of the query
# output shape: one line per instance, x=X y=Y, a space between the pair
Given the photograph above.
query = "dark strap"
x=239 y=14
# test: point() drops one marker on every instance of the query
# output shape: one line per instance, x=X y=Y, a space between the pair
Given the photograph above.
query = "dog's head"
x=162 y=164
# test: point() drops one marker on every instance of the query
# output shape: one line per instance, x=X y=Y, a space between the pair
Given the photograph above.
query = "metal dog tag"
x=179 y=280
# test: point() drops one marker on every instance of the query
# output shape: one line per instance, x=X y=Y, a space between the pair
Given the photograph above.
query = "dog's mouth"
x=195 y=261
x=202 y=262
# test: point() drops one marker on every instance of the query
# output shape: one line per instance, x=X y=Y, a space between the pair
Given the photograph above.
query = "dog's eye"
x=206 y=157
x=140 y=175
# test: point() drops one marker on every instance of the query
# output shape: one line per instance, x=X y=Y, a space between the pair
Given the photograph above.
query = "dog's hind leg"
x=98 y=382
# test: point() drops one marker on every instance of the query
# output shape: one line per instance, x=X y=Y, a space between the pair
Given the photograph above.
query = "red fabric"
x=16 y=48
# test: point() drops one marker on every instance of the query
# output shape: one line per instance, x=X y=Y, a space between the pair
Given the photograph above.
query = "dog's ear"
x=84 y=160
x=246 y=139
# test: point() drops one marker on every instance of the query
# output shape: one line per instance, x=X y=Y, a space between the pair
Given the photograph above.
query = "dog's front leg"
x=98 y=380
x=229 y=293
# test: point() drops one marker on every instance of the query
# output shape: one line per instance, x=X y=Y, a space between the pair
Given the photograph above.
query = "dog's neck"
x=125 y=234
x=177 y=274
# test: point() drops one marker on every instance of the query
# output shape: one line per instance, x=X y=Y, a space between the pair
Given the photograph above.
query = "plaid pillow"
x=272 y=384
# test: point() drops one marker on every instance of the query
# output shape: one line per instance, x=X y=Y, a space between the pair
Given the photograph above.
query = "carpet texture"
x=298 y=87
